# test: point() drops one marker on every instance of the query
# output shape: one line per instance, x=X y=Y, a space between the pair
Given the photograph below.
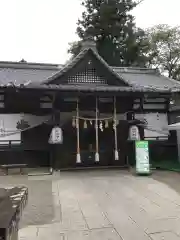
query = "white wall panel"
x=155 y=100
x=154 y=106
x=8 y=123
x=156 y=121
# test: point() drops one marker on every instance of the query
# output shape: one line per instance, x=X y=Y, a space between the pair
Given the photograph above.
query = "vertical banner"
x=142 y=157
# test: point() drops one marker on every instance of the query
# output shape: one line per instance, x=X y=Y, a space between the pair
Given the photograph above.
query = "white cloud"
x=39 y=30
x=151 y=12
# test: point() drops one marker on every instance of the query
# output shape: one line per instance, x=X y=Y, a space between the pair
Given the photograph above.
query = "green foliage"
x=74 y=48
x=118 y=40
x=164 y=49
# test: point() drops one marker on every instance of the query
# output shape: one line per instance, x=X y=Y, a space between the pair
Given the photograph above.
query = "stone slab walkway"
x=107 y=205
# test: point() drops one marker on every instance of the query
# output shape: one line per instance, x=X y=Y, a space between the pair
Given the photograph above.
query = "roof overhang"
x=175 y=126
x=104 y=90
x=94 y=88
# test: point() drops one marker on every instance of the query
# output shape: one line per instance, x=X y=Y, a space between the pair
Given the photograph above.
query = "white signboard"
x=142 y=157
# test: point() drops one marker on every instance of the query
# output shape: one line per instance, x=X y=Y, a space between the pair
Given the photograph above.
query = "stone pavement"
x=107 y=205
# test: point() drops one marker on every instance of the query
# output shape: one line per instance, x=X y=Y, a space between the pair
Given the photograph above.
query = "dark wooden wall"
x=35 y=149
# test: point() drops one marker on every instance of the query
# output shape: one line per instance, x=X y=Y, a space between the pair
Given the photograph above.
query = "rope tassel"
x=97 y=157
x=78 y=158
x=116 y=154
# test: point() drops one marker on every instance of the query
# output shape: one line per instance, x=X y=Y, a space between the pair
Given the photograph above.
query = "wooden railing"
x=10 y=143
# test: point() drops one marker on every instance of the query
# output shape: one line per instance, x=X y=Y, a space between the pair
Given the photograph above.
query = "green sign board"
x=142 y=157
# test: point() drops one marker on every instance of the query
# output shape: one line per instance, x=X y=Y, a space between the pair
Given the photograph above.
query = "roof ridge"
x=140 y=68
x=136 y=70
x=29 y=65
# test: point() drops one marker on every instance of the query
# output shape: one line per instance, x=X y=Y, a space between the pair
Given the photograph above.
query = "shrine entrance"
x=88 y=143
x=66 y=154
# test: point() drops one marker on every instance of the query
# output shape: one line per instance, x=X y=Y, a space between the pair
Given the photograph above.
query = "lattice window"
x=88 y=76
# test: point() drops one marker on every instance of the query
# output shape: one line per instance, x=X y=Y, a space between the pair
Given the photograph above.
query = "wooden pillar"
x=116 y=153
x=78 y=156
x=97 y=136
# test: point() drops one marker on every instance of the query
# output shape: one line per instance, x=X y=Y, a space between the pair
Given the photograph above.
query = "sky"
x=40 y=30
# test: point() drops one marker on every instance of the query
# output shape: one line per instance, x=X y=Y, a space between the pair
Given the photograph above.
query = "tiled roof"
x=38 y=75
x=143 y=77
x=132 y=77
x=22 y=72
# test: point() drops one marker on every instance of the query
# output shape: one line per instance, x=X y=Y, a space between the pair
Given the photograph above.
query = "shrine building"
x=96 y=106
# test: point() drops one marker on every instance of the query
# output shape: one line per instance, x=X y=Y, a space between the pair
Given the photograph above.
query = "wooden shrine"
x=94 y=104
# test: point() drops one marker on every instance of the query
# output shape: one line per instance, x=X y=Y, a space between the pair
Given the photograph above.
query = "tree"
x=164 y=49
x=113 y=29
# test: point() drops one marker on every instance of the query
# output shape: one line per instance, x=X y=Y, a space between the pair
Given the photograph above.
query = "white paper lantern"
x=134 y=133
x=56 y=136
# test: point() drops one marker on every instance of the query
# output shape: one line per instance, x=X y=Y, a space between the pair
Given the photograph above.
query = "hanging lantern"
x=134 y=133
x=85 y=124
x=74 y=122
x=56 y=136
x=91 y=123
x=106 y=124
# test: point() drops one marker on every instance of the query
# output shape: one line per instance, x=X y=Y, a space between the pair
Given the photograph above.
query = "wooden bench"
x=6 y=167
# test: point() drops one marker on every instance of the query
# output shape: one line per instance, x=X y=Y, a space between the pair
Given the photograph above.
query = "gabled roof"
x=40 y=75
x=132 y=77
x=71 y=64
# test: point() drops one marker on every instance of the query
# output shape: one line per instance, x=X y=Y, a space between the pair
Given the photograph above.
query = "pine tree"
x=118 y=40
